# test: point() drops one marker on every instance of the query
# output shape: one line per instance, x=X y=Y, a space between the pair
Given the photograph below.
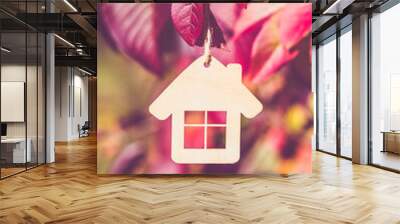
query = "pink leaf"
x=226 y=15
x=255 y=14
x=242 y=46
x=268 y=54
x=188 y=19
x=264 y=44
x=273 y=47
x=242 y=5
x=300 y=26
x=247 y=28
x=278 y=58
x=135 y=29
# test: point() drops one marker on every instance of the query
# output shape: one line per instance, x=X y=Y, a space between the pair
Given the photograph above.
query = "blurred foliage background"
x=142 y=47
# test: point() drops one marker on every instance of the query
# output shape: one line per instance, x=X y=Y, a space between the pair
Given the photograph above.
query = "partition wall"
x=23 y=62
x=334 y=75
x=385 y=88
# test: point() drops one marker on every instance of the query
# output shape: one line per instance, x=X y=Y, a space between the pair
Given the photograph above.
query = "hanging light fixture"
x=70 y=5
x=5 y=50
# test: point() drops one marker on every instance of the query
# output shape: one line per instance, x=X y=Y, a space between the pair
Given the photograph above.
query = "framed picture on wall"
x=204 y=88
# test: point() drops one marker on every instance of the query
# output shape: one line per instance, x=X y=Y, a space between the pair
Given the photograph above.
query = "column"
x=360 y=90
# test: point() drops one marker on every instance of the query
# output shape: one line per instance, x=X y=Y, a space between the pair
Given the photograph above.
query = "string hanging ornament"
x=207 y=48
x=207 y=40
x=204 y=87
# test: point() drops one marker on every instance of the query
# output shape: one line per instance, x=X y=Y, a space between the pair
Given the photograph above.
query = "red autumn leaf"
x=279 y=57
x=247 y=28
x=293 y=32
x=268 y=53
x=272 y=38
x=134 y=29
x=242 y=46
x=276 y=40
x=254 y=15
x=188 y=19
x=264 y=44
x=242 y=5
x=226 y=15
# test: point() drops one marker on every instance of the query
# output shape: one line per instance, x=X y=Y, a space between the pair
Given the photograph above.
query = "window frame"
x=323 y=39
x=205 y=125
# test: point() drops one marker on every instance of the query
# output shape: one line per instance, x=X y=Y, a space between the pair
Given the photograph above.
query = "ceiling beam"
x=84 y=24
x=82 y=61
x=320 y=22
x=337 y=7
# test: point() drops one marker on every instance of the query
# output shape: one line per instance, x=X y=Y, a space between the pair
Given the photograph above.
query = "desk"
x=15 y=148
x=391 y=141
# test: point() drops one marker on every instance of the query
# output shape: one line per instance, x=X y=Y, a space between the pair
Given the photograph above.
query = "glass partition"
x=32 y=95
x=385 y=89
x=22 y=88
x=346 y=92
x=14 y=153
x=41 y=91
x=327 y=95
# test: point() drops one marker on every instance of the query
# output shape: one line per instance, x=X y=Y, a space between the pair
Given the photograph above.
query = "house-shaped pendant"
x=205 y=91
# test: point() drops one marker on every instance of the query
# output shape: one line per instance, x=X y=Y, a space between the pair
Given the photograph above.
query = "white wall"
x=13 y=101
x=71 y=102
x=81 y=102
x=61 y=103
x=16 y=73
x=9 y=73
x=33 y=126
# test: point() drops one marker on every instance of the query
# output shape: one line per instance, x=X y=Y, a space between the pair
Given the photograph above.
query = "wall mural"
x=204 y=88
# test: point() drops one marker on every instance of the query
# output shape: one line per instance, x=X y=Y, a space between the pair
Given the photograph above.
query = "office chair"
x=84 y=130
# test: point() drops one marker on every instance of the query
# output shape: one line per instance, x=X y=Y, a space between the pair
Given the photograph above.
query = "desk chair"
x=84 y=130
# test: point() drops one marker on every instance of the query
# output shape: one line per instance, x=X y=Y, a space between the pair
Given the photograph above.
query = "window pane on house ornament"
x=216 y=117
x=195 y=117
x=216 y=137
x=194 y=138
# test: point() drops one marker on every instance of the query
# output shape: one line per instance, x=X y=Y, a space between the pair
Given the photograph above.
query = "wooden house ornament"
x=206 y=90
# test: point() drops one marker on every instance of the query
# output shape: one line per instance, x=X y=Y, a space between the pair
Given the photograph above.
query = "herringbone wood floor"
x=69 y=191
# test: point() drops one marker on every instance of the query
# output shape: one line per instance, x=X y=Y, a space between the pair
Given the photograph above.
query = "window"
x=385 y=89
x=346 y=93
x=205 y=129
x=327 y=95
